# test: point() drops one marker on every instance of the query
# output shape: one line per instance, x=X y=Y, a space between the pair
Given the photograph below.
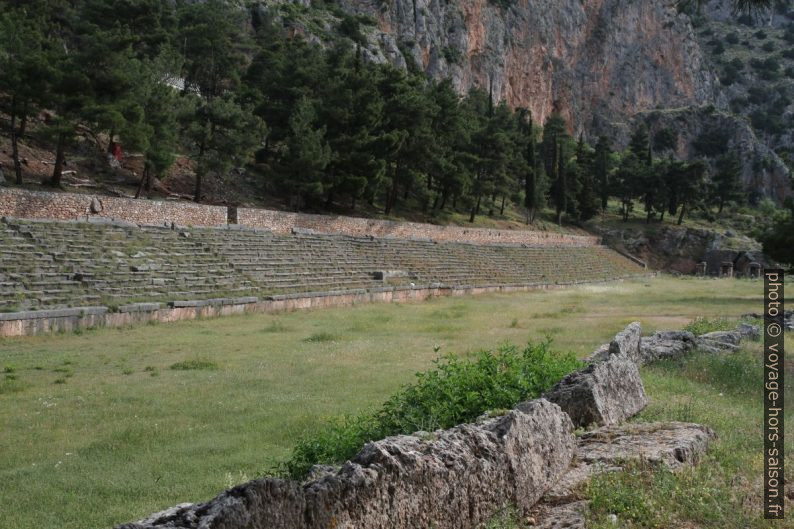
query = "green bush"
x=456 y=391
x=700 y=326
x=196 y=364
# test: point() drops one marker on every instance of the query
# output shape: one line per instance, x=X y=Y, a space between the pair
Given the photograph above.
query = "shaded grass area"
x=125 y=435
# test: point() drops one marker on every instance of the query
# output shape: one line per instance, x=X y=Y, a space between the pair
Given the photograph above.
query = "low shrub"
x=700 y=326
x=457 y=390
x=196 y=364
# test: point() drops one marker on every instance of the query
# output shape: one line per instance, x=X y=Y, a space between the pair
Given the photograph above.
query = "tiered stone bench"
x=157 y=273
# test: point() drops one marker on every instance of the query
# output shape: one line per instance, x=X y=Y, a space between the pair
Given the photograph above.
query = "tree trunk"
x=200 y=164
x=23 y=123
x=391 y=197
x=502 y=209
x=444 y=195
x=475 y=209
x=353 y=202
x=15 y=147
x=60 y=154
x=681 y=216
x=722 y=203
x=197 y=190
x=143 y=179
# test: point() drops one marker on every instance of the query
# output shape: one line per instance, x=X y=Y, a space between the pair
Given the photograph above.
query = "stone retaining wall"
x=285 y=222
x=20 y=203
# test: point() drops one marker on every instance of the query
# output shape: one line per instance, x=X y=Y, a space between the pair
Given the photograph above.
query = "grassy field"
x=109 y=425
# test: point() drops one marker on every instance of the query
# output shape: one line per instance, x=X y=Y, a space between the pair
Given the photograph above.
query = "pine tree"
x=24 y=63
x=602 y=156
x=307 y=154
x=535 y=185
x=221 y=130
x=586 y=199
x=726 y=181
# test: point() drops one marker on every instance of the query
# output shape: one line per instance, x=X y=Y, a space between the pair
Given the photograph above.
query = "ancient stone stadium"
x=67 y=274
x=469 y=264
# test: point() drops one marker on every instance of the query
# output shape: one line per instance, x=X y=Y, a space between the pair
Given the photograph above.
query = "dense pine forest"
x=317 y=124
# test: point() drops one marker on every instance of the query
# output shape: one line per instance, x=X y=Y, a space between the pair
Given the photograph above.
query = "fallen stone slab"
x=672 y=444
x=457 y=478
x=608 y=449
x=562 y=516
x=666 y=344
x=719 y=341
x=603 y=393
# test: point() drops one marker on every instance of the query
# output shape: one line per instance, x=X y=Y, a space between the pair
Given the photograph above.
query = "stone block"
x=604 y=393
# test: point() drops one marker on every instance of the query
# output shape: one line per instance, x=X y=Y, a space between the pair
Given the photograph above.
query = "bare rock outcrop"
x=604 y=393
x=457 y=480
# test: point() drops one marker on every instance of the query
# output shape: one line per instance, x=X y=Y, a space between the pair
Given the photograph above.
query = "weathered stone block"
x=665 y=344
x=627 y=341
x=603 y=393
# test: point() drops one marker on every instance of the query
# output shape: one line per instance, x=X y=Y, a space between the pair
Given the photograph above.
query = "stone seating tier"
x=45 y=264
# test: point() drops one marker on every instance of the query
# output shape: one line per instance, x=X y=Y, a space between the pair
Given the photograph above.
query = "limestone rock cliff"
x=593 y=60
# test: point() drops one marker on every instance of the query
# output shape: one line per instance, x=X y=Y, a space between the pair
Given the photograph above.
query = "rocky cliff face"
x=605 y=65
x=595 y=61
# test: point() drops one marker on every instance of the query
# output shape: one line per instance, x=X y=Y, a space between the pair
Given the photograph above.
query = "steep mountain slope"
x=592 y=59
x=604 y=65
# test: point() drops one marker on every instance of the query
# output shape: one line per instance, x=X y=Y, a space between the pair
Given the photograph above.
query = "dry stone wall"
x=71 y=206
x=19 y=203
x=282 y=222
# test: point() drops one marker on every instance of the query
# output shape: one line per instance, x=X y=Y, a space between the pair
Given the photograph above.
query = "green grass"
x=196 y=364
x=139 y=443
x=454 y=391
x=724 y=491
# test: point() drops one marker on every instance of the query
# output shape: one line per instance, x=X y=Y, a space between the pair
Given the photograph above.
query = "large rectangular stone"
x=604 y=393
x=52 y=313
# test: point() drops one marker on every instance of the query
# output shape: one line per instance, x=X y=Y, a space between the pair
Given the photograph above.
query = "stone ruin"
x=726 y=269
x=459 y=478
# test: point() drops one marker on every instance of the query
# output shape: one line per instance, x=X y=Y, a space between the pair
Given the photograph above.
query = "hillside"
x=464 y=113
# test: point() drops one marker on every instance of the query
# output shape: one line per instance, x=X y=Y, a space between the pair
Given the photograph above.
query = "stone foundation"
x=30 y=323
